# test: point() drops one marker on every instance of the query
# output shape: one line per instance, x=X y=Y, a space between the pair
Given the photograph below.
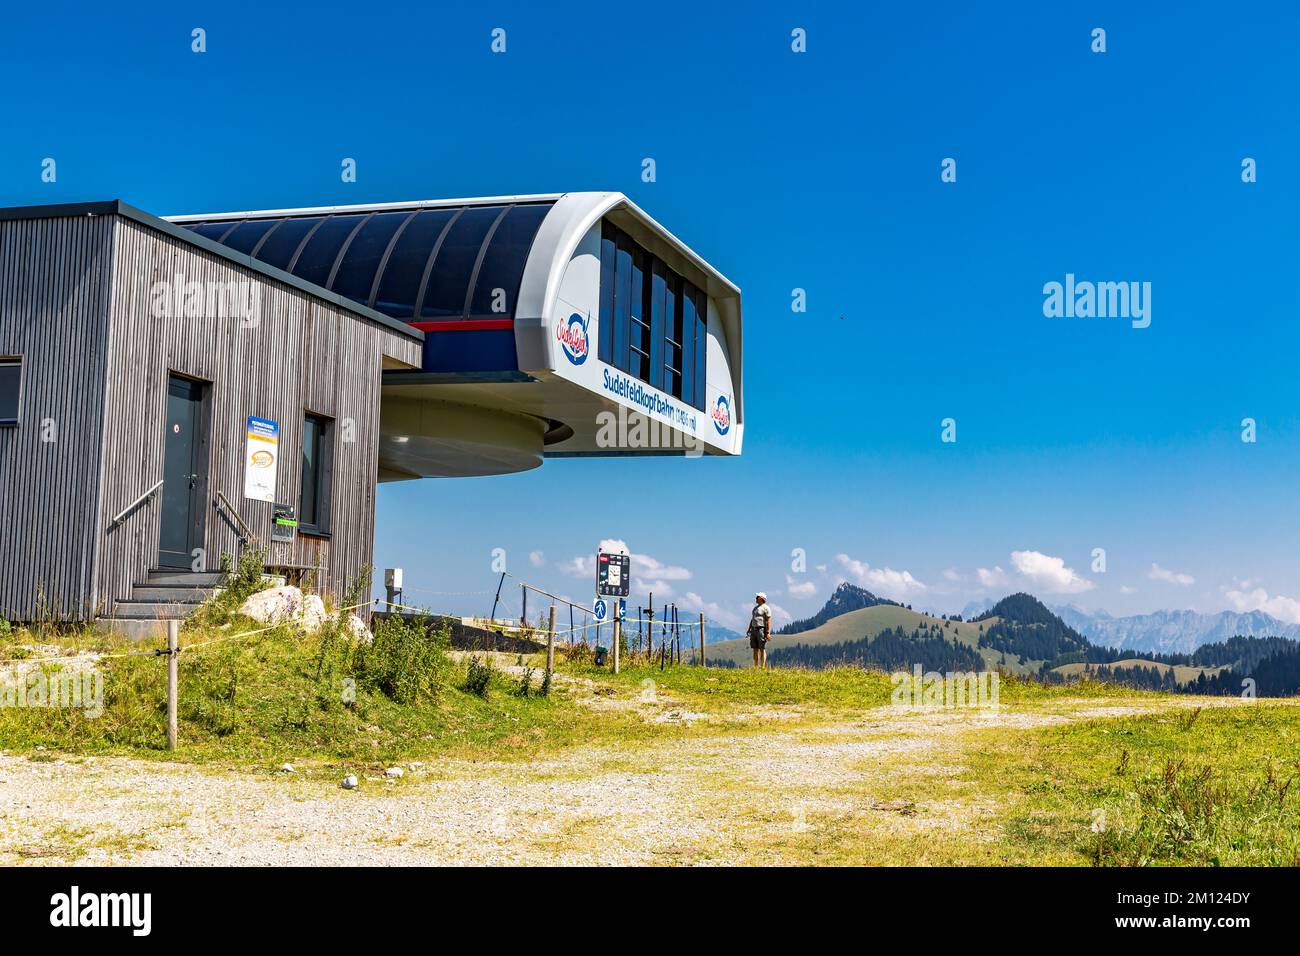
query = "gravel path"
x=691 y=799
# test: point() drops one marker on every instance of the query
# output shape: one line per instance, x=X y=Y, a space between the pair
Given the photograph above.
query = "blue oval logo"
x=573 y=338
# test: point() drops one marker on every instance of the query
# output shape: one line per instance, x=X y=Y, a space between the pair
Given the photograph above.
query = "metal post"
x=173 y=631
x=702 y=663
x=616 y=641
x=523 y=614
x=550 y=645
x=498 y=597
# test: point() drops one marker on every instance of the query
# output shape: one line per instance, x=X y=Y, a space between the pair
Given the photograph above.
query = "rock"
x=349 y=782
x=415 y=764
x=274 y=605
x=313 y=615
x=286 y=605
x=286 y=768
x=393 y=772
x=356 y=629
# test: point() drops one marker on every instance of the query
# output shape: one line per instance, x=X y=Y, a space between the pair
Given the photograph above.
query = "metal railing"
x=243 y=525
x=135 y=504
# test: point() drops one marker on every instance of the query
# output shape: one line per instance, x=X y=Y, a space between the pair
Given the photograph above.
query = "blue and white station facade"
x=539 y=313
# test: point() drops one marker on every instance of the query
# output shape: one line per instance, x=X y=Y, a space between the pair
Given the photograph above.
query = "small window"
x=11 y=377
x=317 y=461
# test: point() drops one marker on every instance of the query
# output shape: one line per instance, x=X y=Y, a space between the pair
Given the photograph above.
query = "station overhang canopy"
x=561 y=325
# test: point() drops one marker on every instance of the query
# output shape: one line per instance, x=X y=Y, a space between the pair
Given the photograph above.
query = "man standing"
x=760 y=629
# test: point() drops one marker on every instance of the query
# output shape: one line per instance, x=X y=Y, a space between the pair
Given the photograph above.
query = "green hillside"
x=870 y=622
x=1183 y=673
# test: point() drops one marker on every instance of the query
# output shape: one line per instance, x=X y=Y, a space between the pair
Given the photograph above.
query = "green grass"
x=1216 y=787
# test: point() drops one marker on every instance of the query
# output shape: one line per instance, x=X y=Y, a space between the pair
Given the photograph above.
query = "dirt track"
x=702 y=799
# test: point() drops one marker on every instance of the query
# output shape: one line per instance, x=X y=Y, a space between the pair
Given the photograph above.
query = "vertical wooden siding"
x=54 y=297
x=303 y=354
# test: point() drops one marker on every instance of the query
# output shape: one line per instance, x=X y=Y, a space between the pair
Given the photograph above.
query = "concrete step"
x=192 y=579
x=172 y=593
x=154 y=610
x=131 y=629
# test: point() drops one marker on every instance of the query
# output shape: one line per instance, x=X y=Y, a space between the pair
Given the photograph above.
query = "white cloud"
x=800 y=589
x=993 y=577
x=951 y=574
x=1049 y=574
x=1125 y=589
x=886 y=582
x=1157 y=573
x=536 y=558
x=648 y=572
x=1283 y=608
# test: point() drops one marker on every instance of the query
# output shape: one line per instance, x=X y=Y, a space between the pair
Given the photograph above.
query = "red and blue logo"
x=573 y=337
x=721 y=415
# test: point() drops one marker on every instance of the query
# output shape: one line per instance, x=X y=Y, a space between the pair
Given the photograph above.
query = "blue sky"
x=818 y=171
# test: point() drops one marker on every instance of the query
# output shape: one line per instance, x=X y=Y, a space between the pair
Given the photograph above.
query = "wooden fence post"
x=173 y=629
x=702 y=663
x=550 y=645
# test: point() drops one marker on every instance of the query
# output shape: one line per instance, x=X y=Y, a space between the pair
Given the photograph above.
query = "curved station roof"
x=528 y=332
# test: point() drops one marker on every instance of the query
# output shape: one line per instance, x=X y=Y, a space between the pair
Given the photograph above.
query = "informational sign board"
x=613 y=574
x=622 y=609
x=284 y=522
x=261 y=456
x=601 y=610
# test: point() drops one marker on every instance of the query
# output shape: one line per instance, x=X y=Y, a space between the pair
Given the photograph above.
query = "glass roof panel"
x=454 y=266
x=503 y=263
x=316 y=261
x=356 y=275
x=400 y=283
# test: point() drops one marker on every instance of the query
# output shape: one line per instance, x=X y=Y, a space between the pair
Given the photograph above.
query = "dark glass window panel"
x=316 y=261
x=280 y=245
x=685 y=333
x=608 y=257
x=11 y=376
x=248 y=234
x=309 y=493
x=400 y=283
x=454 y=266
x=356 y=275
x=700 y=308
x=658 y=291
x=212 y=230
x=503 y=263
x=640 y=336
x=622 y=301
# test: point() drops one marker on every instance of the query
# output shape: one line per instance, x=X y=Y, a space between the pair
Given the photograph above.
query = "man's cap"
x=762 y=595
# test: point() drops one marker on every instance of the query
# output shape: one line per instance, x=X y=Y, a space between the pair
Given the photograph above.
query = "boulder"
x=274 y=605
x=286 y=605
x=356 y=629
x=349 y=782
x=313 y=615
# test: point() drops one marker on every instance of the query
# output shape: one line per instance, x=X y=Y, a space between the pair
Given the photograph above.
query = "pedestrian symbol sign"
x=601 y=609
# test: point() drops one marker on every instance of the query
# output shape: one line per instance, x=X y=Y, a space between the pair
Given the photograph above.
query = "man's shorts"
x=757 y=642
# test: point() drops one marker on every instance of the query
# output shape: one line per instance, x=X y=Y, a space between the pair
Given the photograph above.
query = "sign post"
x=614 y=579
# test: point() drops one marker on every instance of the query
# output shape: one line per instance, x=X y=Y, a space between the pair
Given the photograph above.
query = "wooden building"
x=134 y=358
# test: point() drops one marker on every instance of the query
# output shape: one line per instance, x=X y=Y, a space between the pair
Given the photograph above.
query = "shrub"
x=526 y=682
x=407 y=660
x=243 y=579
x=478 y=677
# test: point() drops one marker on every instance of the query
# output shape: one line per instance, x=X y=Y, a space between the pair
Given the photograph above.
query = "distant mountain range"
x=1172 y=632
x=1019 y=634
